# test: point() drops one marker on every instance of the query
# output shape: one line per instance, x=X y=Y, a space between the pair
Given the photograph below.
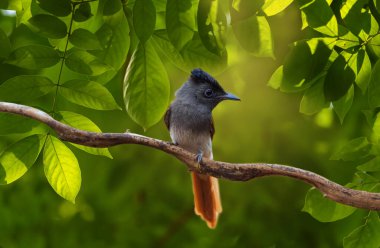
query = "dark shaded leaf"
x=374 y=86
x=56 y=7
x=84 y=39
x=49 y=26
x=313 y=100
x=85 y=63
x=5 y=45
x=144 y=19
x=82 y=12
x=111 y=7
x=355 y=149
x=33 y=57
x=343 y=105
x=11 y=123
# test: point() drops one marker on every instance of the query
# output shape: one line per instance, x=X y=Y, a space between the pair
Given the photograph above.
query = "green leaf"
x=273 y=7
x=376 y=128
x=88 y=94
x=56 y=7
x=343 y=105
x=146 y=86
x=84 y=39
x=304 y=65
x=83 y=123
x=19 y=157
x=82 y=13
x=365 y=236
x=25 y=87
x=246 y=8
x=61 y=169
x=374 y=86
x=355 y=149
x=23 y=36
x=144 y=19
x=254 y=35
x=374 y=45
x=276 y=78
x=339 y=79
x=180 y=21
x=49 y=26
x=111 y=7
x=313 y=100
x=82 y=62
x=33 y=57
x=212 y=25
x=323 y=209
x=11 y=123
x=4 y=44
x=372 y=165
x=320 y=17
x=361 y=66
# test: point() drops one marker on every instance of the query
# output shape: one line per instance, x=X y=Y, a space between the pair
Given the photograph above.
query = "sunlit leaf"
x=376 y=128
x=4 y=44
x=313 y=100
x=56 y=7
x=33 y=57
x=49 y=26
x=246 y=8
x=276 y=78
x=144 y=19
x=85 y=63
x=361 y=66
x=19 y=157
x=88 y=94
x=355 y=149
x=339 y=79
x=25 y=87
x=84 y=39
x=61 y=168
x=323 y=209
x=146 y=86
x=82 y=12
x=374 y=86
x=365 y=236
x=320 y=17
x=212 y=24
x=273 y=7
x=180 y=21
x=254 y=35
x=11 y=123
x=83 y=123
x=343 y=105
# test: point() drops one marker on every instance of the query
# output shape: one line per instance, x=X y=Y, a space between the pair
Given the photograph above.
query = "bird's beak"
x=229 y=96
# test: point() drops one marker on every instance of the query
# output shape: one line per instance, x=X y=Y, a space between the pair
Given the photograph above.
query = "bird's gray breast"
x=190 y=129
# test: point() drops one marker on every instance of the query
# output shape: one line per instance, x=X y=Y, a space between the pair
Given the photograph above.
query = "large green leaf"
x=61 y=169
x=146 y=86
x=82 y=13
x=84 y=39
x=144 y=19
x=85 y=63
x=25 y=87
x=355 y=149
x=56 y=7
x=4 y=44
x=320 y=17
x=49 y=26
x=212 y=25
x=33 y=57
x=323 y=209
x=83 y=123
x=365 y=236
x=19 y=157
x=313 y=100
x=11 y=123
x=88 y=94
x=273 y=7
x=254 y=35
x=180 y=21
x=339 y=79
x=374 y=86
x=343 y=105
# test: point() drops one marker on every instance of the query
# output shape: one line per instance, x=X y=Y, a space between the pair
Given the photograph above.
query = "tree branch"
x=231 y=171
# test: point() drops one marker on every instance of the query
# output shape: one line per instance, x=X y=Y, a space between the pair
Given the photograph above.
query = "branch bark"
x=231 y=171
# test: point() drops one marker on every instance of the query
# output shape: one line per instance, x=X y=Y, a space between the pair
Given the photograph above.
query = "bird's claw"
x=198 y=158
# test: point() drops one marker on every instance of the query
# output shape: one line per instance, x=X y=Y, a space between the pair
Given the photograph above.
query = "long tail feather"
x=206 y=198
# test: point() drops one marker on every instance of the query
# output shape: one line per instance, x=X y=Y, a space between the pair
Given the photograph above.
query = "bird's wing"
x=167 y=118
x=212 y=128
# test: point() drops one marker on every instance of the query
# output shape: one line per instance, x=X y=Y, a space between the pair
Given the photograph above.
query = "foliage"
x=68 y=57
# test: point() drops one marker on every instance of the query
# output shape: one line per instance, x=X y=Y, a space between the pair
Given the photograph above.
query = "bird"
x=191 y=126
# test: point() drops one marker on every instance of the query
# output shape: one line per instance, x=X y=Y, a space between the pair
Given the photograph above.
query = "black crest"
x=200 y=76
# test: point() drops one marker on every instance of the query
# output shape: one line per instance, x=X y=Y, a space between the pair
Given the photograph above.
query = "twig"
x=231 y=171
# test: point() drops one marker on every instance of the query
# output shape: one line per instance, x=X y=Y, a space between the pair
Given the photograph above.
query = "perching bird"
x=191 y=127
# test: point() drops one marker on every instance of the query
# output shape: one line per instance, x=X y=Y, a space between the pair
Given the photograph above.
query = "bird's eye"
x=208 y=93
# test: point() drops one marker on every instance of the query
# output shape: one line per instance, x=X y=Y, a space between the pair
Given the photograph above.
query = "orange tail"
x=206 y=198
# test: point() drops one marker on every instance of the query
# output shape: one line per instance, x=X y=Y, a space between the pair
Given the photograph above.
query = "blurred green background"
x=143 y=197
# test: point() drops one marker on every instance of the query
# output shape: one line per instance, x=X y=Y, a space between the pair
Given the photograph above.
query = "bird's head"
x=203 y=89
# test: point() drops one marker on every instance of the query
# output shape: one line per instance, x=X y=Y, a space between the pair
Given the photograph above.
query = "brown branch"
x=231 y=171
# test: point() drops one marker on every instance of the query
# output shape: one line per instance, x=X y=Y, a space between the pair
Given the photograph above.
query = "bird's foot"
x=198 y=158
